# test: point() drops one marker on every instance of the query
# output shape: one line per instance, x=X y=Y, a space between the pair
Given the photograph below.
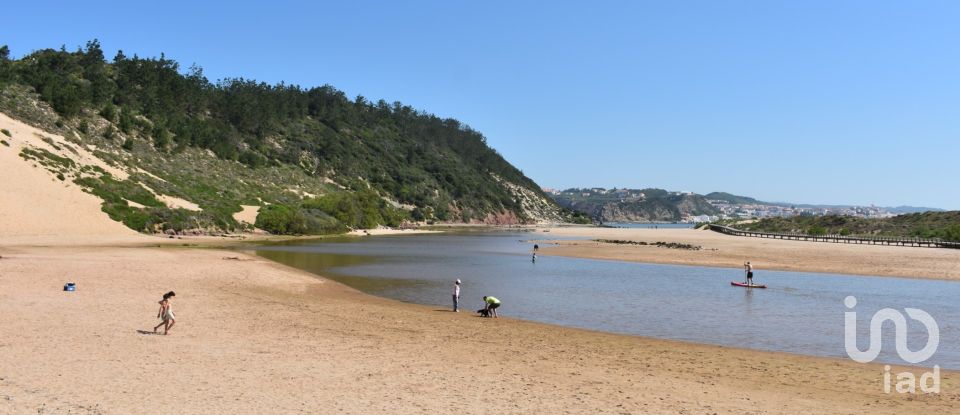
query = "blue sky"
x=804 y=101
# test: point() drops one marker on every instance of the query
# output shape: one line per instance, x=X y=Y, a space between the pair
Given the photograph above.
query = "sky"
x=853 y=102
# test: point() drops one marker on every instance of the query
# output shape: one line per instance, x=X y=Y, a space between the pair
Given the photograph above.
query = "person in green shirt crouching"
x=491 y=305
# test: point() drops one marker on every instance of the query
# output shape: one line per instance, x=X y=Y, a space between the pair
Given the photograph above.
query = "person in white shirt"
x=456 y=296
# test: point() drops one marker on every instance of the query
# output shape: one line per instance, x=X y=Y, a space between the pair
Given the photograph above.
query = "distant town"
x=725 y=206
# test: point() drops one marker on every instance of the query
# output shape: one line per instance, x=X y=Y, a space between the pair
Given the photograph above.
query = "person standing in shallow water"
x=456 y=296
x=166 y=313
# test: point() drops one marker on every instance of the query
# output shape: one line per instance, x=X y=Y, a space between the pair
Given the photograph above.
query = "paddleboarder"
x=749 y=270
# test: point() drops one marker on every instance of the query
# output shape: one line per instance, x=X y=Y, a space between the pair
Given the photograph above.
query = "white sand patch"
x=248 y=214
x=303 y=194
x=35 y=203
x=144 y=172
x=135 y=204
x=173 y=202
x=397 y=204
x=328 y=180
x=176 y=202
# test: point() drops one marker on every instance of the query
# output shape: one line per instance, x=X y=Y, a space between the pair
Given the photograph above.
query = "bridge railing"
x=847 y=239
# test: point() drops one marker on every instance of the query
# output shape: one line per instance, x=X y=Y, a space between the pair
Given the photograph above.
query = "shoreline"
x=678 y=342
x=259 y=336
x=725 y=251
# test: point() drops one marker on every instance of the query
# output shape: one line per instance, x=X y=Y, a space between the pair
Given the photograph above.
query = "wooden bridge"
x=840 y=239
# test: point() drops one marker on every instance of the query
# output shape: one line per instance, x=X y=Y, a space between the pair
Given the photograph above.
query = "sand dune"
x=34 y=202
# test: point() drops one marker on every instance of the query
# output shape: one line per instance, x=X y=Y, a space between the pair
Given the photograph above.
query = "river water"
x=800 y=313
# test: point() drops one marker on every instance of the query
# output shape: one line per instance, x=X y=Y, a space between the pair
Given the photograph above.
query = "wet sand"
x=721 y=250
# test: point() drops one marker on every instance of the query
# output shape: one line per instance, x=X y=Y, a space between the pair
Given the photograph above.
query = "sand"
x=247 y=214
x=33 y=202
x=256 y=337
x=389 y=231
x=721 y=250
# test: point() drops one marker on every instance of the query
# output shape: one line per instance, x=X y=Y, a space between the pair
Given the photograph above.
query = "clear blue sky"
x=805 y=101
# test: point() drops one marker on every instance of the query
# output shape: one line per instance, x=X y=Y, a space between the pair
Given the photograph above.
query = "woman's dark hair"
x=169 y=294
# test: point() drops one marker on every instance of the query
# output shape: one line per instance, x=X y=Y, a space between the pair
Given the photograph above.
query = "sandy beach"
x=253 y=336
x=256 y=337
x=719 y=250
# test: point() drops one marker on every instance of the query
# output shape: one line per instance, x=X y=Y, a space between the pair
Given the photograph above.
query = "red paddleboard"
x=745 y=285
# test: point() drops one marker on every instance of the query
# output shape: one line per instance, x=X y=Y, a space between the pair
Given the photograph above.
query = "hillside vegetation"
x=941 y=225
x=239 y=142
x=733 y=199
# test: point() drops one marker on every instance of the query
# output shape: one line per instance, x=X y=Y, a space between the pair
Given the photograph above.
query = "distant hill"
x=895 y=210
x=311 y=160
x=733 y=199
x=634 y=205
x=911 y=209
x=745 y=200
x=659 y=205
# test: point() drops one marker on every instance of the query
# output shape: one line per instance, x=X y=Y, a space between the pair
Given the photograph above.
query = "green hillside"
x=241 y=142
x=733 y=199
x=942 y=225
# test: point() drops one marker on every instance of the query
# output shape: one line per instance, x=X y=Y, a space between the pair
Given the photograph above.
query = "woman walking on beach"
x=166 y=313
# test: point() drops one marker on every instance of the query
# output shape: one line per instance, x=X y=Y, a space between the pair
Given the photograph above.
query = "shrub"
x=131 y=217
x=6 y=132
x=952 y=233
x=816 y=230
x=109 y=112
x=47 y=158
x=361 y=209
x=281 y=219
x=292 y=220
x=126 y=122
x=160 y=137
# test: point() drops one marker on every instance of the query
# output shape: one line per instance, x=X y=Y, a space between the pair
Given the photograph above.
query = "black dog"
x=484 y=312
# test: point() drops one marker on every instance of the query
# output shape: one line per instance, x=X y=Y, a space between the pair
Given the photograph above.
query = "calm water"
x=649 y=225
x=800 y=312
